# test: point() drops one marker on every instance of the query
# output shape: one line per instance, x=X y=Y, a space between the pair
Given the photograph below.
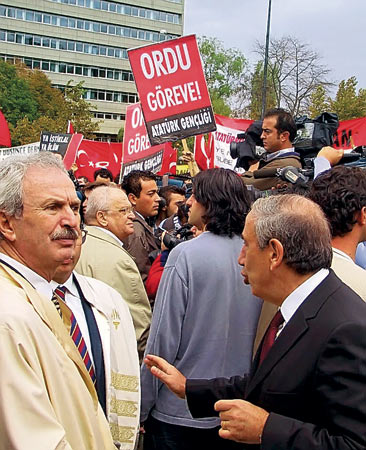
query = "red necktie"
x=271 y=333
x=75 y=332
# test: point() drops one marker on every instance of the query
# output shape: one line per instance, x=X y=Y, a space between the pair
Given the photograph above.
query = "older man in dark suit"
x=306 y=389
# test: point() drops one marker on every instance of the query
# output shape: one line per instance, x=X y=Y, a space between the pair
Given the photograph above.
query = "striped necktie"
x=75 y=331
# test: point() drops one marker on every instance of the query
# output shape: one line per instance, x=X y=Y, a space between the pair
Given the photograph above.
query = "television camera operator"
x=277 y=133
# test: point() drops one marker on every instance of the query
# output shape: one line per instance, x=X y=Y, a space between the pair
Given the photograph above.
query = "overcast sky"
x=333 y=28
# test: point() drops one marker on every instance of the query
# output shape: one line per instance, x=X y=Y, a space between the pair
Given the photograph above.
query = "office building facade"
x=87 y=40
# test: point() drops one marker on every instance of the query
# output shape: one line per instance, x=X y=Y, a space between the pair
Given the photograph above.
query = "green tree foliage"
x=31 y=105
x=225 y=71
x=348 y=103
x=319 y=102
x=78 y=111
x=16 y=99
x=120 y=134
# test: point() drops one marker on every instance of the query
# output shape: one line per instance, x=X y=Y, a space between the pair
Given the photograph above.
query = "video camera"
x=251 y=149
x=173 y=238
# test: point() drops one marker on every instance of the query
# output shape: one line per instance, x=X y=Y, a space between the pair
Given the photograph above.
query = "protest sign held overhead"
x=54 y=142
x=27 y=149
x=172 y=89
x=138 y=154
x=66 y=145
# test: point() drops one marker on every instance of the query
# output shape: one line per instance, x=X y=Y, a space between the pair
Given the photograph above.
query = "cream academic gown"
x=47 y=399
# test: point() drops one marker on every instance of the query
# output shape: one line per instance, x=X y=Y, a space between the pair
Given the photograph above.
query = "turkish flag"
x=204 y=153
x=94 y=155
x=70 y=127
x=169 y=164
x=5 y=139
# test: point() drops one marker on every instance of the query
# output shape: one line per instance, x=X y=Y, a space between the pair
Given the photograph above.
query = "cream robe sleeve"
x=27 y=418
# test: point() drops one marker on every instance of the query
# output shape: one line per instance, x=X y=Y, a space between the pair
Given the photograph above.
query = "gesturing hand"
x=167 y=373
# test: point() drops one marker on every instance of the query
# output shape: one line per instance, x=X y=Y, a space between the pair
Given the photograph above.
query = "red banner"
x=138 y=154
x=351 y=133
x=94 y=155
x=172 y=89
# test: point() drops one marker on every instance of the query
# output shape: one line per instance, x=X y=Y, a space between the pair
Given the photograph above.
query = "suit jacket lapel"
x=49 y=315
x=293 y=331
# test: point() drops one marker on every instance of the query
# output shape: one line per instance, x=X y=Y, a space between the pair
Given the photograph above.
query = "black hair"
x=166 y=192
x=285 y=121
x=225 y=198
x=103 y=173
x=131 y=183
x=341 y=193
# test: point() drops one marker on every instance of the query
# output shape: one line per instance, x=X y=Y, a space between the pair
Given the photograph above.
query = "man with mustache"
x=48 y=397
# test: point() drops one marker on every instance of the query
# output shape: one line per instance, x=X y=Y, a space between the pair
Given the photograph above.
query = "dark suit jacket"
x=140 y=244
x=313 y=380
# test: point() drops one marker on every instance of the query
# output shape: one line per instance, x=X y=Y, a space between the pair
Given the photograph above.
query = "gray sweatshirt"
x=204 y=323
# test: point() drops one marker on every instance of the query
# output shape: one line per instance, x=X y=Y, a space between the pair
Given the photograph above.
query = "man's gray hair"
x=301 y=227
x=100 y=199
x=12 y=173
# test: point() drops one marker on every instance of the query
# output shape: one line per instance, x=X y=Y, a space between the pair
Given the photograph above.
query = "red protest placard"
x=137 y=151
x=172 y=89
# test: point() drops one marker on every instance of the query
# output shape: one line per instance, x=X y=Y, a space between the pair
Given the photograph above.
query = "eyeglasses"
x=124 y=211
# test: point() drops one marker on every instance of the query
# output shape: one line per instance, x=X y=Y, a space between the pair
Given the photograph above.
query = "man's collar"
x=270 y=156
x=38 y=282
x=140 y=215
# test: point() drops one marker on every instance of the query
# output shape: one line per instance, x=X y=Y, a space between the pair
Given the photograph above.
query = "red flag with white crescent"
x=94 y=155
x=169 y=164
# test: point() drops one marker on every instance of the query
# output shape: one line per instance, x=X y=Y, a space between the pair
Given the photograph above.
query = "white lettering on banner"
x=196 y=120
x=138 y=144
x=20 y=150
x=188 y=122
x=167 y=127
x=228 y=138
x=177 y=95
x=166 y=62
x=223 y=137
x=137 y=119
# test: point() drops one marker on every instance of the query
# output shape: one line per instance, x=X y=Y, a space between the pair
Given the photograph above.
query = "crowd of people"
x=170 y=317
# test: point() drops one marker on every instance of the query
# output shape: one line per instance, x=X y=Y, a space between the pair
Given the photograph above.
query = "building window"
x=69 y=22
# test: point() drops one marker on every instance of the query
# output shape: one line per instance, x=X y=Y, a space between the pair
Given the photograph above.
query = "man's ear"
x=7 y=226
x=132 y=199
x=285 y=135
x=361 y=216
x=276 y=253
x=101 y=219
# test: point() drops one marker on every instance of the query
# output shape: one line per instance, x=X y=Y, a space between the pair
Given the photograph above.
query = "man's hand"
x=331 y=154
x=168 y=374
x=241 y=421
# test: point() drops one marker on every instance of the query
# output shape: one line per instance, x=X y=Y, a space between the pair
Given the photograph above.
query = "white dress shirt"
x=46 y=288
x=299 y=295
